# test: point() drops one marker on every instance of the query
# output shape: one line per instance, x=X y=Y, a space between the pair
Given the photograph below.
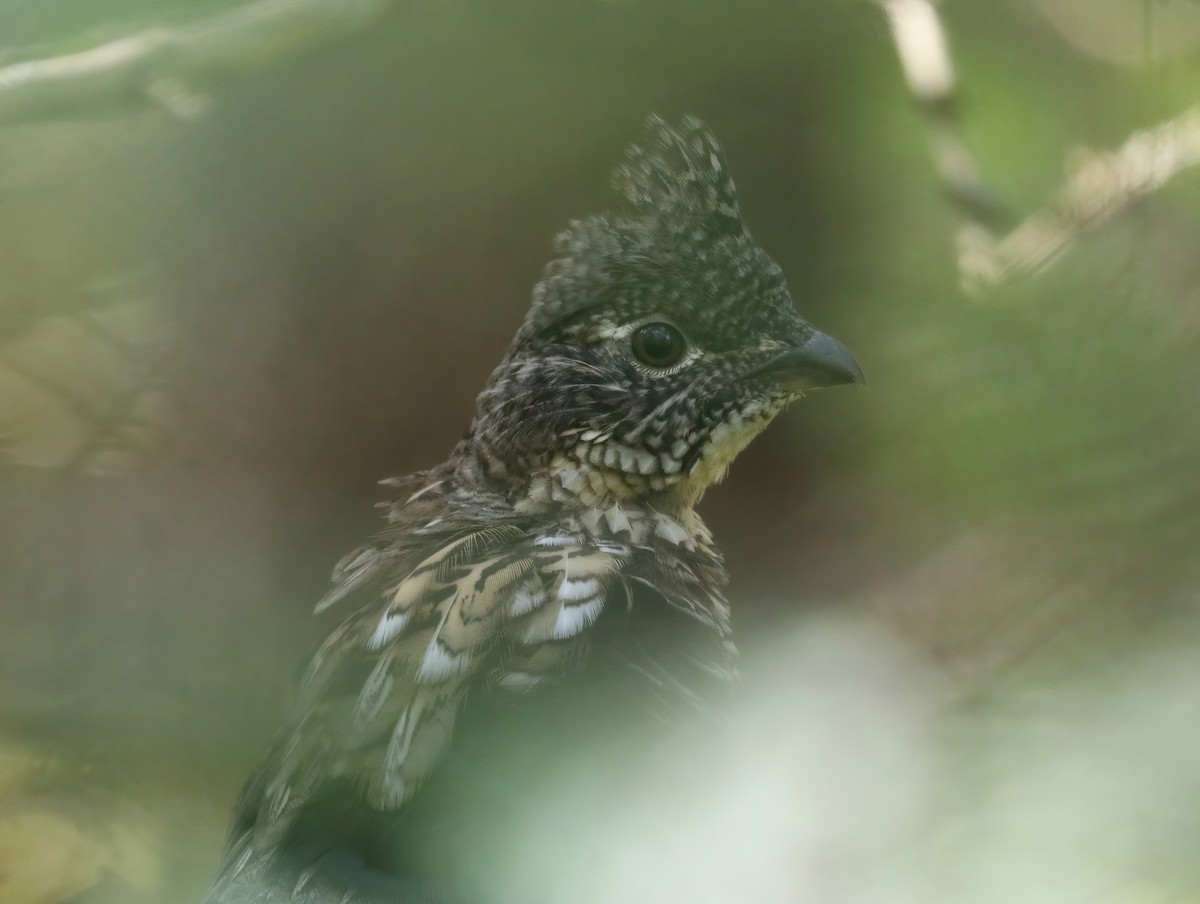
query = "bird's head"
x=657 y=346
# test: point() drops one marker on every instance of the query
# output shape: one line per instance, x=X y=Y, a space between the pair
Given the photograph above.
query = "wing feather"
x=380 y=696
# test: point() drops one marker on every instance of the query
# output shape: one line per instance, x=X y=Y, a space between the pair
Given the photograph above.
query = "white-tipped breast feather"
x=671 y=531
x=574 y=618
x=578 y=588
x=388 y=629
x=553 y=541
x=526 y=599
x=440 y=664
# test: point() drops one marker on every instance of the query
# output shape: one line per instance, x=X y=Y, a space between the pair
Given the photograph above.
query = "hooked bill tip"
x=820 y=361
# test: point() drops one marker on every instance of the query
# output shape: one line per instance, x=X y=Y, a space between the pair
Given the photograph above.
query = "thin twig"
x=992 y=247
x=929 y=72
x=1101 y=188
x=169 y=65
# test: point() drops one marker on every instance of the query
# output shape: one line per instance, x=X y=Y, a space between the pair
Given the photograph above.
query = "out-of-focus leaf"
x=1121 y=31
x=61 y=835
x=79 y=391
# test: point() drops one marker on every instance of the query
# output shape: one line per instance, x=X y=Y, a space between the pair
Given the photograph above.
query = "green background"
x=315 y=278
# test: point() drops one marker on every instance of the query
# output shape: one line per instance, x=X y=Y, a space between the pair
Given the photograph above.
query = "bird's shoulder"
x=461 y=596
x=459 y=593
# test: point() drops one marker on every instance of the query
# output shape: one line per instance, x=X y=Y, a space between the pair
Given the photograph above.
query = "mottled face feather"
x=575 y=409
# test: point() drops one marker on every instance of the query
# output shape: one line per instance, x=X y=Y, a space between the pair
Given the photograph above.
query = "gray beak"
x=820 y=362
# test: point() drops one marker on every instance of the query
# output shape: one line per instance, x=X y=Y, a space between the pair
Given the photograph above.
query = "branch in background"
x=169 y=65
x=1102 y=186
x=928 y=70
x=992 y=247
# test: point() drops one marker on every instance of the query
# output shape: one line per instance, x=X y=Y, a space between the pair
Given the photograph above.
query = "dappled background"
x=236 y=290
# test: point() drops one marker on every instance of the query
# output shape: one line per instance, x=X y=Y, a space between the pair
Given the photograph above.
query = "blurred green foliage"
x=335 y=256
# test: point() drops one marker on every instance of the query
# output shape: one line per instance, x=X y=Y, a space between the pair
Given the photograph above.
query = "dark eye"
x=658 y=344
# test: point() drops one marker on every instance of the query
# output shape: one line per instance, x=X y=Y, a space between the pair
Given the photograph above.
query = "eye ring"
x=658 y=344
